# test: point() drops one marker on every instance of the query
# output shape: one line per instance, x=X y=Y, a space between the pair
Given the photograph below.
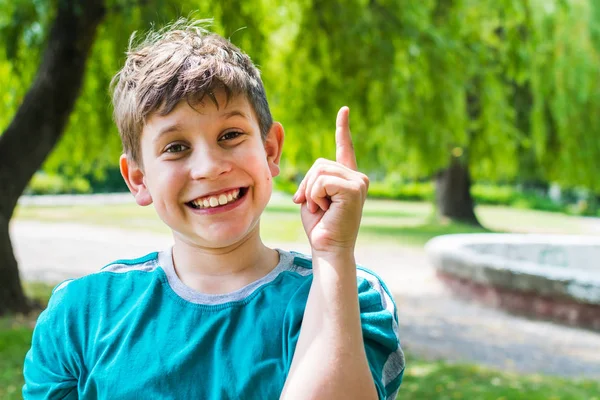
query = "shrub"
x=286 y=186
x=493 y=194
x=413 y=191
x=43 y=183
x=79 y=185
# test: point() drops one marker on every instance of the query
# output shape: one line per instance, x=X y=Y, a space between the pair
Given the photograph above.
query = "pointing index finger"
x=344 y=153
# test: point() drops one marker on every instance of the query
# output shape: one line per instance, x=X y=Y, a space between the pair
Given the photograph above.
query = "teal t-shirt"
x=133 y=330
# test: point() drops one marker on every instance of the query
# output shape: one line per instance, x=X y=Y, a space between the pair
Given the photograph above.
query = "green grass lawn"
x=423 y=379
x=439 y=380
x=15 y=340
x=399 y=222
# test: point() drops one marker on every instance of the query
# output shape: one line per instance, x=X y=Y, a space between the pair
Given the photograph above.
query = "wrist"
x=338 y=259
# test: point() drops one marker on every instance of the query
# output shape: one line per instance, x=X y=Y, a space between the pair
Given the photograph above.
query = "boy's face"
x=206 y=170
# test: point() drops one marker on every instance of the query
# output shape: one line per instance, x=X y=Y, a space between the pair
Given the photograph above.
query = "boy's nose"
x=209 y=164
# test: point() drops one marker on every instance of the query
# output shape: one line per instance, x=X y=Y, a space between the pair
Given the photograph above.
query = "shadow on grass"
x=417 y=235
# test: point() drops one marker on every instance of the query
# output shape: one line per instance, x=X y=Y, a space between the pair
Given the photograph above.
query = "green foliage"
x=564 y=64
x=407 y=191
x=485 y=194
x=285 y=186
x=79 y=185
x=509 y=86
x=43 y=183
x=536 y=202
x=494 y=194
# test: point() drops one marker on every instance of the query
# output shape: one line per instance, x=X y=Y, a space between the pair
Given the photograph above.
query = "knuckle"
x=316 y=185
x=321 y=168
x=356 y=187
x=365 y=177
x=365 y=180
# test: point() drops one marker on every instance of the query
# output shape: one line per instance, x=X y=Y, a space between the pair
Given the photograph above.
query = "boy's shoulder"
x=365 y=276
x=371 y=287
x=77 y=304
x=146 y=263
x=109 y=278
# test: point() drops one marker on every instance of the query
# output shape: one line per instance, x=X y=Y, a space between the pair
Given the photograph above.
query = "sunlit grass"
x=520 y=220
x=384 y=221
x=443 y=381
x=15 y=340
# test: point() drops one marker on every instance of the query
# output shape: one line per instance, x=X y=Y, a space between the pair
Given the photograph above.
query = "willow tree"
x=563 y=75
x=63 y=120
x=449 y=89
x=37 y=125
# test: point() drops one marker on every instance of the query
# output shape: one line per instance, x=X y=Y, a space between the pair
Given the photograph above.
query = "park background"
x=468 y=116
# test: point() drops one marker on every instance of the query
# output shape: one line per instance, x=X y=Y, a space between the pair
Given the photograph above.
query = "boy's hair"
x=183 y=61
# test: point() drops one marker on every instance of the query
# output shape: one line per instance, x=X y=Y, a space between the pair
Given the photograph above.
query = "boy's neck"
x=223 y=270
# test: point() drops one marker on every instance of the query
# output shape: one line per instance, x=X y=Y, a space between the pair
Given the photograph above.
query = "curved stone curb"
x=548 y=276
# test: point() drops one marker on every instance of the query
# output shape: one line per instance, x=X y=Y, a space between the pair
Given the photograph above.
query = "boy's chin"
x=218 y=240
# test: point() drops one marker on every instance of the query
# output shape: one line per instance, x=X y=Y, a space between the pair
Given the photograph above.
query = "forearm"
x=330 y=360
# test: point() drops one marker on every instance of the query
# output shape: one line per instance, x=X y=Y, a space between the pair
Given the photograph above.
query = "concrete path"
x=433 y=324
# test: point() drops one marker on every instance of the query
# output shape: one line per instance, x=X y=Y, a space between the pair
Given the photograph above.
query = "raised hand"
x=332 y=195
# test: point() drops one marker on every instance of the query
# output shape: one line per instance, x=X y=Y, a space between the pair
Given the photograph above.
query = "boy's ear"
x=274 y=146
x=134 y=178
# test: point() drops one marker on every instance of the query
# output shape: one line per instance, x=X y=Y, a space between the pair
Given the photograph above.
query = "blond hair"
x=183 y=61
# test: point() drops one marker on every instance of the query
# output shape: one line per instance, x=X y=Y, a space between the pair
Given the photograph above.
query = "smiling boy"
x=219 y=315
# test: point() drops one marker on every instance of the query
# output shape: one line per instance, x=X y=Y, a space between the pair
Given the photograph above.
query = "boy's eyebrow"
x=168 y=129
x=234 y=113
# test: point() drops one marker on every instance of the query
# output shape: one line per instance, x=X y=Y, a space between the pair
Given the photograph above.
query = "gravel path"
x=433 y=324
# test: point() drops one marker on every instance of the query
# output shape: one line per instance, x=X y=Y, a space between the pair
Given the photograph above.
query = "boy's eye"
x=175 y=148
x=230 y=135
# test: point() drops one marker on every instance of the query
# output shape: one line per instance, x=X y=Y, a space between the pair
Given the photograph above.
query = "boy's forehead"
x=216 y=104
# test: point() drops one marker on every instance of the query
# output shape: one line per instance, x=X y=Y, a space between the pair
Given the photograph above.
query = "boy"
x=219 y=315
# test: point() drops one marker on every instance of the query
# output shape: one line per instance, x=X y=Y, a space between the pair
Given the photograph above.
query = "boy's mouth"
x=218 y=200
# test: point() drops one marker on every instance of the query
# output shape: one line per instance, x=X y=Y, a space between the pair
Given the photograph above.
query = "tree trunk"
x=39 y=123
x=12 y=298
x=453 y=194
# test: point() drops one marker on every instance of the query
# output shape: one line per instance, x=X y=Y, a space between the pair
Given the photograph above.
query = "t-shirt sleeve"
x=379 y=322
x=49 y=368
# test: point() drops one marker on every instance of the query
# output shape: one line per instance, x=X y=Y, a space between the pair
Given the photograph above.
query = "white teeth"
x=220 y=200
